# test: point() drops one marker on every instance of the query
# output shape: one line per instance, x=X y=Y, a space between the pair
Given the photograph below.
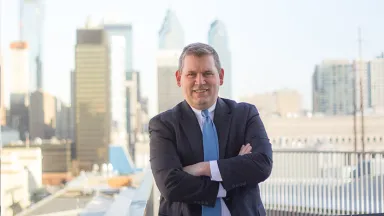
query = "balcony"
x=322 y=183
x=301 y=183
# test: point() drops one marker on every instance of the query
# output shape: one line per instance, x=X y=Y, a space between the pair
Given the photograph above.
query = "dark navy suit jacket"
x=176 y=142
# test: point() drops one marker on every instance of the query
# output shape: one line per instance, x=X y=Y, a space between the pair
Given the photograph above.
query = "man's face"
x=200 y=81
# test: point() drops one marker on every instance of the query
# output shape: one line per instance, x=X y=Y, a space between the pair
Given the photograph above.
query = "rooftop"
x=96 y=194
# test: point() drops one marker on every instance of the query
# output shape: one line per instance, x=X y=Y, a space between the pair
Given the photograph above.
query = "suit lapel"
x=192 y=130
x=193 y=133
x=222 y=120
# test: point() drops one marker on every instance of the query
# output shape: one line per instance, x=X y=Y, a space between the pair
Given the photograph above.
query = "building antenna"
x=1 y=13
x=21 y=8
x=354 y=109
x=170 y=4
x=217 y=9
x=361 y=73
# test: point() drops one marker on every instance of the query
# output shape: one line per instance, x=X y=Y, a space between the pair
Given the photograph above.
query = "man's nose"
x=199 y=79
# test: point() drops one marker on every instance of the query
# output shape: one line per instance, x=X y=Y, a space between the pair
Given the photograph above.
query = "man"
x=208 y=154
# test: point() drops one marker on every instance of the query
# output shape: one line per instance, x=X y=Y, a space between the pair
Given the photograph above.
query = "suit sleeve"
x=253 y=168
x=174 y=184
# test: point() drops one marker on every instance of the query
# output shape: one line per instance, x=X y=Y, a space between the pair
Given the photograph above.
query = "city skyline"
x=287 y=46
x=115 y=64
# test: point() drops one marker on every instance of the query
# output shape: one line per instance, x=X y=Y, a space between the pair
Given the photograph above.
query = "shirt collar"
x=210 y=109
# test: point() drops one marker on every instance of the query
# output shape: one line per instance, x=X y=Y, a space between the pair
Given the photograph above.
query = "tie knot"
x=205 y=113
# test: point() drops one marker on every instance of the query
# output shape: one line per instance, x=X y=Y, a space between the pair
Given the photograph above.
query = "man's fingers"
x=245 y=149
x=241 y=150
x=248 y=150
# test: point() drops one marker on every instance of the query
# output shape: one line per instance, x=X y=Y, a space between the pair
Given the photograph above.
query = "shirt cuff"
x=222 y=192
x=215 y=172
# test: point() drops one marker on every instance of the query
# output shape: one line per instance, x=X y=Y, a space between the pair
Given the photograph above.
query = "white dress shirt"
x=215 y=172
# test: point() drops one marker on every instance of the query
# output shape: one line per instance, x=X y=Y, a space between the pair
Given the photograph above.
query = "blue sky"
x=274 y=44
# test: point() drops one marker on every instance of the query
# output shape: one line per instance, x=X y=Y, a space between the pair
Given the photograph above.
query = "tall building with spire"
x=171 y=34
x=171 y=43
x=218 y=39
x=31 y=32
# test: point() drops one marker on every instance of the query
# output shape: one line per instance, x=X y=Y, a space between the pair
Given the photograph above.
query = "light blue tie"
x=211 y=152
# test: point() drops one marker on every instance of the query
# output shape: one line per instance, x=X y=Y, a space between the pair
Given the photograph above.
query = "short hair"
x=199 y=49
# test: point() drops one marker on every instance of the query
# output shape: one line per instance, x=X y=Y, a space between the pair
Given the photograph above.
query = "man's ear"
x=178 y=78
x=221 y=76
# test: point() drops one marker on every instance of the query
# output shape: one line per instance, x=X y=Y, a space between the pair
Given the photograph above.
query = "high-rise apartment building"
x=339 y=86
x=333 y=87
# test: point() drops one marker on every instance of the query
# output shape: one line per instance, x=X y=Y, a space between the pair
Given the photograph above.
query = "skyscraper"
x=19 y=98
x=32 y=23
x=19 y=67
x=121 y=32
x=42 y=118
x=218 y=39
x=171 y=34
x=92 y=100
x=171 y=42
x=117 y=90
x=125 y=31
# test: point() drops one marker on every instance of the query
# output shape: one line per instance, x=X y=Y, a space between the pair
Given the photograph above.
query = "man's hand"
x=198 y=169
x=203 y=168
x=245 y=149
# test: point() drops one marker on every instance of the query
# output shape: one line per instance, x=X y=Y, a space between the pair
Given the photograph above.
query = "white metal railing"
x=325 y=183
